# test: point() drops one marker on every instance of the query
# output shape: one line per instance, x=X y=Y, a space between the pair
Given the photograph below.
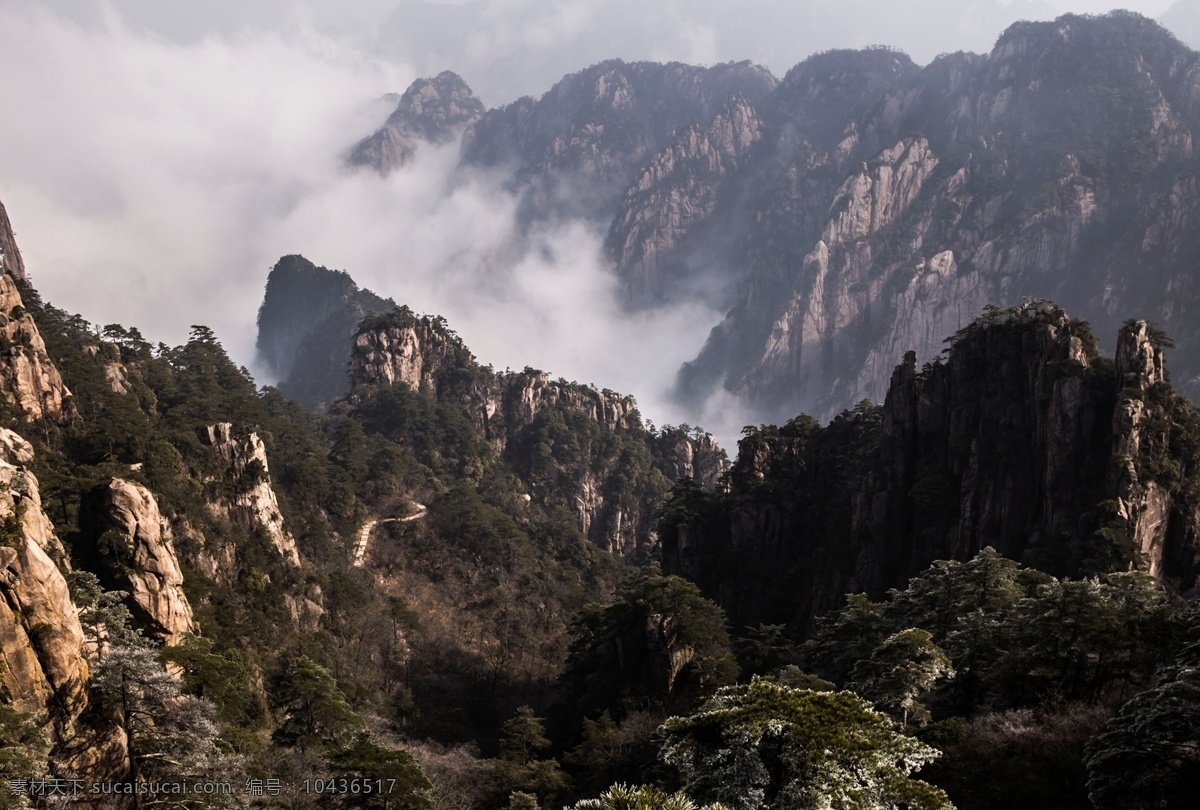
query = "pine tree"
x=762 y=745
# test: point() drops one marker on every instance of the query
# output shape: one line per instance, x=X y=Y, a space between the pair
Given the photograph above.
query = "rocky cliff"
x=131 y=545
x=250 y=500
x=1024 y=438
x=29 y=382
x=864 y=205
x=305 y=324
x=579 y=146
x=10 y=255
x=430 y=111
x=570 y=443
x=871 y=240
x=45 y=671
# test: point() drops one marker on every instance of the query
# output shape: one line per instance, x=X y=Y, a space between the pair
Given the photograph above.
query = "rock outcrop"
x=10 y=255
x=571 y=443
x=307 y=320
x=253 y=504
x=28 y=379
x=44 y=670
x=430 y=111
x=132 y=547
x=1024 y=439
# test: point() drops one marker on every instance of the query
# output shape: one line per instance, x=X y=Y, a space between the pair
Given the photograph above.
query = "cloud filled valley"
x=154 y=184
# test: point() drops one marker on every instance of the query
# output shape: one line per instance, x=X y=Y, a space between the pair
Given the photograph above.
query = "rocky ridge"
x=252 y=504
x=517 y=414
x=1024 y=439
x=864 y=205
x=430 y=111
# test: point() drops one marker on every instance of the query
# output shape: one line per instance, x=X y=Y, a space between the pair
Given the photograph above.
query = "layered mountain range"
x=863 y=205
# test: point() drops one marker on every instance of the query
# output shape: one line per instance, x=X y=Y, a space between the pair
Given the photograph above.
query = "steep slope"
x=571 y=444
x=10 y=254
x=305 y=324
x=430 y=111
x=1024 y=439
x=863 y=205
x=1059 y=165
x=580 y=145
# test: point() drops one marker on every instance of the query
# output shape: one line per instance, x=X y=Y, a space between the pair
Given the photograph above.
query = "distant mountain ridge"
x=863 y=205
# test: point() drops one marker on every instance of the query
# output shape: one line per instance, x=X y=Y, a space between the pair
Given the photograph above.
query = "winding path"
x=364 y=536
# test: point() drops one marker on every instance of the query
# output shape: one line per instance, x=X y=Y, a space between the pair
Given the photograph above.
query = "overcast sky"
x=157 y=157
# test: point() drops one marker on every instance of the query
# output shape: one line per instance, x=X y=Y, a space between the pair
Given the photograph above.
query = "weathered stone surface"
x=253 y=505
x=1023 y=439
x=41 y=641
x=28 y=379
x=133 y=544
x=431 y=111
x=10 y=255
x=14 y=449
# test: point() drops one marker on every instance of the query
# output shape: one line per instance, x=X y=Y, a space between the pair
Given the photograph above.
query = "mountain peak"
x=431 y=111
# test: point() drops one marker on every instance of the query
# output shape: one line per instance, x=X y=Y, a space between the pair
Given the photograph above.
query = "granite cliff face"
x=252 y=503
x=1024 y=439
x=132 y=544
x=430 y=111
x=29 y=382
x=562 y=438
x=45 y=670
x=10 y=255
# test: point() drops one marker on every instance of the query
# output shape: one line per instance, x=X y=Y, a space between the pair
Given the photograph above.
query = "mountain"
x=305 y=324
x=574 y=447
x=864 y=205
x=1023 y=438
x=430 y=111
x=508 y=52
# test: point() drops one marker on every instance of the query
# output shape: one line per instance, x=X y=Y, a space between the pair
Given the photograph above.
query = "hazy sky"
x=157 y=157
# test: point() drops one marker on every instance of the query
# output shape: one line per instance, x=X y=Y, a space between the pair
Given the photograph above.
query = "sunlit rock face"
x=431 y=111
x=252 y=503
x=41 y=640
x=136 y=553
x=29 y=381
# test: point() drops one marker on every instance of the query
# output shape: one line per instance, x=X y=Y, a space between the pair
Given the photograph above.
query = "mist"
x=154 y=184
x=157 y=162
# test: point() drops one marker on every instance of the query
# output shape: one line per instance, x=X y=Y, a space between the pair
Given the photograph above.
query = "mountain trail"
x=364 y=536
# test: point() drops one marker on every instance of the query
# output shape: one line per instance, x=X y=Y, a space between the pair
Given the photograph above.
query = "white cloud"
x=154 y=184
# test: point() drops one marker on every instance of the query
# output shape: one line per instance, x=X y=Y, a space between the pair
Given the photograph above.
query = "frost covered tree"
x=901 y=669
x=623 y=797
x=172 y=737
x=764 y=745
x=1149 y=754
